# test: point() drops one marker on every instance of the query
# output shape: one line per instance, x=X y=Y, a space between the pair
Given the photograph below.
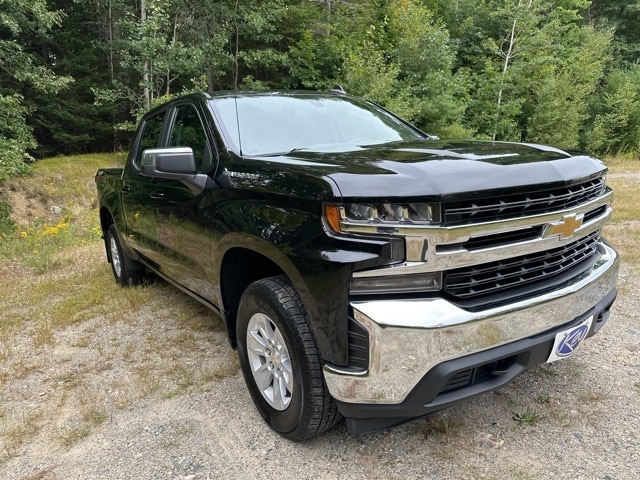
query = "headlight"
x=380 y=217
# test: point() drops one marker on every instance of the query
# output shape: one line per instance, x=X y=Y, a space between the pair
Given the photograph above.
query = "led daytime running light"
x=391 y=213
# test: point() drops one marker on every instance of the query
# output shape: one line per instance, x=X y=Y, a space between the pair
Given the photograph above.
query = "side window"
x=150 y=135
x=187 y=131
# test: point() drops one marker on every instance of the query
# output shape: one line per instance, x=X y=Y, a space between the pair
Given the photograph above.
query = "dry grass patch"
x=624 y=231
x=445 y=425
x=16 y=434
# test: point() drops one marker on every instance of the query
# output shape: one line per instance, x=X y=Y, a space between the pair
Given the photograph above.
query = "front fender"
x=323 y=290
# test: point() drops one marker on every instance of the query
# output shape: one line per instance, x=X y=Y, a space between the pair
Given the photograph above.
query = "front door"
x=183 y=239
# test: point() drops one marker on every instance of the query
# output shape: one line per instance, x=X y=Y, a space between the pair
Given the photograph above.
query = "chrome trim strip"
x=409 y=337
x=422 y=254
x=462 y=233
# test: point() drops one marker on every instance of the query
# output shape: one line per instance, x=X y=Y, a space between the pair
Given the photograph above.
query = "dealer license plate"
x=569 y=340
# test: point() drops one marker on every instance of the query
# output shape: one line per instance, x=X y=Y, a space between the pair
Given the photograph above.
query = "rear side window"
x=152 y=129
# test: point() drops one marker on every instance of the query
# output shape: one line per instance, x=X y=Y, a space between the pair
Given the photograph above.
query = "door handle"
x=157 y=195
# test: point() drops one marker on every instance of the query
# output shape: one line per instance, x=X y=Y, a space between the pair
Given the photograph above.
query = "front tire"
x=280 y=361
x=125 y=270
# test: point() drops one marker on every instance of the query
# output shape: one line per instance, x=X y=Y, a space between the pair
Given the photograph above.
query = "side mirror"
x=174 y=163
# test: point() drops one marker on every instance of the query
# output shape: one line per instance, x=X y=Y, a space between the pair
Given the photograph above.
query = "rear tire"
x=281 y=363
x=125 y=270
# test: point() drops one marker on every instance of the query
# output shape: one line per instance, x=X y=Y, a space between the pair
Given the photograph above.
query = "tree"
x=150 y=60
x=559 y=108
x=624 y=17
x=497 y=69
x=400 y=55
x=616 y=126
x=22 y=24
x=532 y=70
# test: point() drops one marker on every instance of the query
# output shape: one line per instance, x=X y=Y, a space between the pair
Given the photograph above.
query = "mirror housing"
x=173 y=163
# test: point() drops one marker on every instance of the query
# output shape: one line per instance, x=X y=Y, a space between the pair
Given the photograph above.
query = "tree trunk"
x=508 y=57
x=145 y=65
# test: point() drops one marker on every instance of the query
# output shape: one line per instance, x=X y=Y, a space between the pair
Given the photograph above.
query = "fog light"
x=414 y=283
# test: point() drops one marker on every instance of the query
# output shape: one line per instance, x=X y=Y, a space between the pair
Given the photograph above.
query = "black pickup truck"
x=361 y=267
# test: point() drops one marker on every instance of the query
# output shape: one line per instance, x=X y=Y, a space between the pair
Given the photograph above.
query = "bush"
x=7 y=225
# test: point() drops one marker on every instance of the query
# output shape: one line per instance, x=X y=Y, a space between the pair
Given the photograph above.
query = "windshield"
x=273 y=124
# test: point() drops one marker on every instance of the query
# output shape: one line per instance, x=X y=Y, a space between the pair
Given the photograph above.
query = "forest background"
x=76 y=74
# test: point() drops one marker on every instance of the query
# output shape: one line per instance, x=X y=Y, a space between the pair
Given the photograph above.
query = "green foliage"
x=15 y=136
x=535 y=70
x=561 y=105
x=402 y=58
x=527 y=417
x=616 y=126
x=41 y=243
x=7 y=225
x=22 y=24
x=623 y=16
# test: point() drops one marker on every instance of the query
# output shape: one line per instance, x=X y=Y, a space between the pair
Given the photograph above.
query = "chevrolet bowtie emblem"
x=566 y=227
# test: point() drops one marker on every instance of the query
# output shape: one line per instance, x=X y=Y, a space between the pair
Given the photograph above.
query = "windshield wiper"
x=279 y=154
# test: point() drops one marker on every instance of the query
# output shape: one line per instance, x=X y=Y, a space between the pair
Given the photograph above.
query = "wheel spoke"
x=281 y=395
x=278 y=341
x=266 y=329
x=115 y=257
x=263 y=377
x=256 y=343
x=287 y=371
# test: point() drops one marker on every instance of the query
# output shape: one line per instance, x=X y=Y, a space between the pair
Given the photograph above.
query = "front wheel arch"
x=239 y=269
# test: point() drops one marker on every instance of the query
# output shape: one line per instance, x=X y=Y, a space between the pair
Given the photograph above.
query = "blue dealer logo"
x=573 y=339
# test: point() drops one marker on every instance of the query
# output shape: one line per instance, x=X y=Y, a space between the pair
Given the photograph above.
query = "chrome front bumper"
x=407 y=338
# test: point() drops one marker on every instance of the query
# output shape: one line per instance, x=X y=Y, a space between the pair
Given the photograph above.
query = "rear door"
x=139 y=207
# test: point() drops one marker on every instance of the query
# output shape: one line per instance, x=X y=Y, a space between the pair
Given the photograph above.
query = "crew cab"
x=362 y=268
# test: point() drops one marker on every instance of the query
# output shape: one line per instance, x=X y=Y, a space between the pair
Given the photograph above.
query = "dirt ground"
x=158 y=394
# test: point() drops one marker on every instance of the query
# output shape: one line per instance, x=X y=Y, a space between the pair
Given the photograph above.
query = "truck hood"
x=443 y=170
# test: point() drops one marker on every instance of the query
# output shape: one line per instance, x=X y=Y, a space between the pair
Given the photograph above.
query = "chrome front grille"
x=521 y=204
x=501 y=282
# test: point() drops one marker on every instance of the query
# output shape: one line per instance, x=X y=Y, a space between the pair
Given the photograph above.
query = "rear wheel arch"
x=106 y=219
x=125 y=270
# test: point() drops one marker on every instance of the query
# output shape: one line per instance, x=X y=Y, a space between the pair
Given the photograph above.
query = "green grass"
x=527 y=417
x=543 y=399
x=64 y=179
x=39 y=239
